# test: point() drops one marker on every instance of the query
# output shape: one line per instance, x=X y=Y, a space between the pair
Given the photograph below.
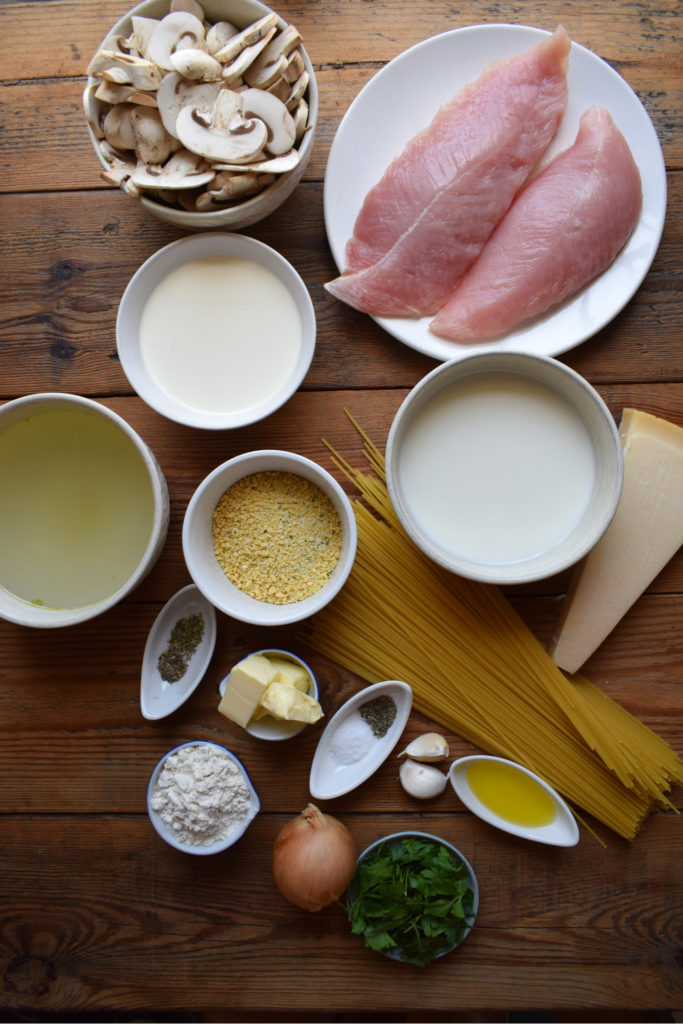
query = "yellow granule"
x=276 y=536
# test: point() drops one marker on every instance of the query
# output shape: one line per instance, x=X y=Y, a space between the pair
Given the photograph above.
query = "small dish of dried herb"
x=177 y=653
x=413 y=897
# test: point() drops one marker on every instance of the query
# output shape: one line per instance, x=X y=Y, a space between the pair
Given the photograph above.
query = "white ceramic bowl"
x=160 y=697
x=198 y=538
x=240 y=827
x=560 y=827
x=251 y=209
x=477 y=463
x=269 y=728
x=395 y=840
x=154 y=270
x=31 y=613
x=332 y=776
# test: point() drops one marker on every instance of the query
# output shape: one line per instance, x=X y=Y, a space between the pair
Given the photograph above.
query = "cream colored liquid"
x=497 y=469
x=76 y=508
x=220 y=334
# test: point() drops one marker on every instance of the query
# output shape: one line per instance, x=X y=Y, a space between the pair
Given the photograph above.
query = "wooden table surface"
x=97 y=914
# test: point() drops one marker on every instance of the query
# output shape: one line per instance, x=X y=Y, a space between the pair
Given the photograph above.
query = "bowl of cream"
x=216 y=331
x=504 y=467
x=84 y=509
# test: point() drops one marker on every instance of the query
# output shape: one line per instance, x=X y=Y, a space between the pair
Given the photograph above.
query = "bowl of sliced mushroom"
x=204 y=112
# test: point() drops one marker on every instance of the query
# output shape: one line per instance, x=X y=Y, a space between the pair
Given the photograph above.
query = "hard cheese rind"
x=645 y=533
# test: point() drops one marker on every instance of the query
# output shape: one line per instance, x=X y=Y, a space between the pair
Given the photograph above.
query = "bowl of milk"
x=216 y=331
x=504 y=467
x=84 y=509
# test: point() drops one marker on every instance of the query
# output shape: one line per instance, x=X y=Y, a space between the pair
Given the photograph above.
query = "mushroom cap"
x=239 y=147
x=174 y=30
x=275 y=116
x=176 y=92
x=183 y=170
x=153 y=144
x=196 y=64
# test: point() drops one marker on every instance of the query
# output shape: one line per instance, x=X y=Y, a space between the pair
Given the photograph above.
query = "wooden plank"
x=116 y=918
x=72 y=257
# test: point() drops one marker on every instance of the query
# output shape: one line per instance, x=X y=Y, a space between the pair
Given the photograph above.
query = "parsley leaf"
x=411 y=898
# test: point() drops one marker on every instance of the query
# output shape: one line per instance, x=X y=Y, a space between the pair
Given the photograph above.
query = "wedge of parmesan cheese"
x=645 y=533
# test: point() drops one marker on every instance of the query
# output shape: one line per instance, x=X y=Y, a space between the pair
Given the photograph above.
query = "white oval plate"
x=562 y=831
x=328 y=778
x=404 y=97
x=157 y=697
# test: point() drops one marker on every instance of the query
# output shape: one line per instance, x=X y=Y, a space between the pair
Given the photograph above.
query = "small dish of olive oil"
x=514 y=799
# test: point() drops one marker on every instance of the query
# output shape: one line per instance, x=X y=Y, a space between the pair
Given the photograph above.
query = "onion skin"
x=314 y=857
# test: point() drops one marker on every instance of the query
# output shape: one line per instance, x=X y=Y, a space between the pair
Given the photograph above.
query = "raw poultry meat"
x=563 y=229
x=429 y=216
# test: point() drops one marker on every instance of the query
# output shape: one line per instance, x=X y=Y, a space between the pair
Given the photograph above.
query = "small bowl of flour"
x=200 y=798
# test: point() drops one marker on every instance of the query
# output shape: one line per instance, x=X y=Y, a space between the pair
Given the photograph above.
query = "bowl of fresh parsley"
x=413 y=897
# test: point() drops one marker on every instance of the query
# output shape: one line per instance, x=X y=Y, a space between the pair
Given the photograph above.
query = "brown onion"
x=313 y=859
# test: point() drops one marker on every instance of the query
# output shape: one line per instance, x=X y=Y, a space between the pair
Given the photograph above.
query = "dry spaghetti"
x=476 y=668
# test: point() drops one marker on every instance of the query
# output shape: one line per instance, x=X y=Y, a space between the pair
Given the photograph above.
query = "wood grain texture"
x=98 y=914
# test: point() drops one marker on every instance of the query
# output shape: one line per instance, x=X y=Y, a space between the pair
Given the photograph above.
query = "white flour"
x=201 y=795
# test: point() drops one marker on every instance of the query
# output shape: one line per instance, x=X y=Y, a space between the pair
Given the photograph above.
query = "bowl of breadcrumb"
x=269 y=537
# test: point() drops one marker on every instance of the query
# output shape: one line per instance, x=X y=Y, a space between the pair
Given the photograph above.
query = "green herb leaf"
x=412 y=896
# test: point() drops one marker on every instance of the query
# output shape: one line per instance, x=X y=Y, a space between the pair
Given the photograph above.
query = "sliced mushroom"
x=238 y=67
x=247 y=37
x=113 y=92
x=280 y=88
x=298 y=90
x=176 y=92
x=176 y=30
x=197 y=65
x=235 y=186
x=225 y=110
x=142 y=30
x=198 y=133
x=300 y=120
x=273 y=165
x=275 y=116
x=153 y=144
x=118 y=171
x=118 y=127
x=219 y=34
x=295 y=66
x=194 y=114
x=137 y=71
x=183 y=170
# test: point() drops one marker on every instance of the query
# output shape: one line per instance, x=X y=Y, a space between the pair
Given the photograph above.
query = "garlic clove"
x=422 y=781
x=430 y=746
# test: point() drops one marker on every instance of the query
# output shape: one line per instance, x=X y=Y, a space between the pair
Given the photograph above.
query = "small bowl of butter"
x=216 y=331
x=272 y=694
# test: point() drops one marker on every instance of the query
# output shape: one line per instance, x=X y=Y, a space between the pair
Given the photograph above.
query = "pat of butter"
x=290 y=673
x=645 y=533
x=286 y=703
x=246 y=685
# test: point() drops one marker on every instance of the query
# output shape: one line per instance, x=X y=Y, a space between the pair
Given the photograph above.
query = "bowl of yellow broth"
x=84 y=509
x=514 y=799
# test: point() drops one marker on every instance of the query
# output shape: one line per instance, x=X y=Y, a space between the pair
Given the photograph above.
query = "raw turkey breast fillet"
x=565 y=227
x=437 y=203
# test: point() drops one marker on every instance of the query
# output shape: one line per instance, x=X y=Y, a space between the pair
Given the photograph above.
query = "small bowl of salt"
x=359 y=737
x=200 y=798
